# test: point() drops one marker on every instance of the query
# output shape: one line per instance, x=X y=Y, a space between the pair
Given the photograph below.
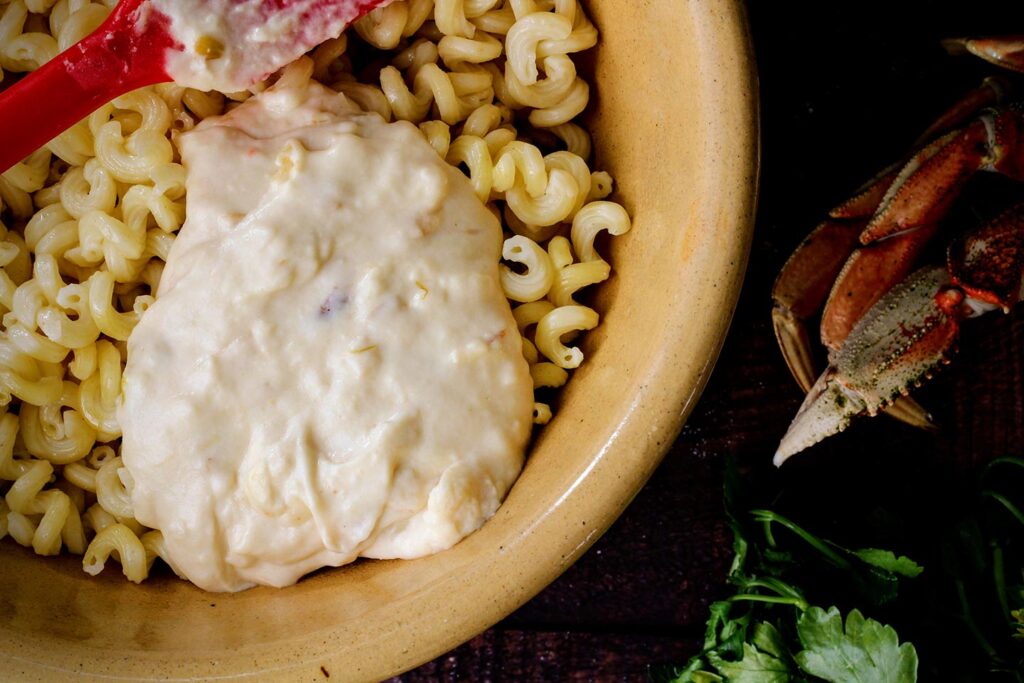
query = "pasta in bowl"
x=552 y=226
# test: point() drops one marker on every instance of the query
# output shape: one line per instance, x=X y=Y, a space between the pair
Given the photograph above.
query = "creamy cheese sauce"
x=330 y=369
x=229 y=45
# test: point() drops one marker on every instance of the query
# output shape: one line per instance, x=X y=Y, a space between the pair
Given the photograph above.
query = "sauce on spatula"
x=222 y=45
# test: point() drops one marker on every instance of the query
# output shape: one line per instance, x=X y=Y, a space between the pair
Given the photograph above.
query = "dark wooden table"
x=846 y=87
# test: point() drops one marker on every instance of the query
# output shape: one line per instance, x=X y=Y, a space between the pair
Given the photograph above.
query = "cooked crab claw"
x=809 y=278
x=910 y=332
x=827 y=409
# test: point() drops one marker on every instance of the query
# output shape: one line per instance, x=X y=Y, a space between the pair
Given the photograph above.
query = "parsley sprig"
x=774 y=628
x=768 y=631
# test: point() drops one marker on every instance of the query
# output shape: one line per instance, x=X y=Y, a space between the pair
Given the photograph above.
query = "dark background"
x=845 y=89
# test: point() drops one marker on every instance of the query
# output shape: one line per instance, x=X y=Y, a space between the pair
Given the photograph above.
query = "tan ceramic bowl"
x=675 y=122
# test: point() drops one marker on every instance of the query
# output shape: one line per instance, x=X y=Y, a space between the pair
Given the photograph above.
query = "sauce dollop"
x=330 y=369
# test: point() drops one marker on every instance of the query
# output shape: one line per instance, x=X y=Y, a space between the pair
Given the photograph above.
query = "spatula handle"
x=121 y=55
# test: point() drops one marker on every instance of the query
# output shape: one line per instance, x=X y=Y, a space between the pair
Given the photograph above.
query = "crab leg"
x=992 y=91
x=912 y=330
x=934 y=177
x=868 y=274
x=1007 y=51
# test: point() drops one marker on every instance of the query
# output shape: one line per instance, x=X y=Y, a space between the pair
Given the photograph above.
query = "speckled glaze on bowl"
x=675 y=121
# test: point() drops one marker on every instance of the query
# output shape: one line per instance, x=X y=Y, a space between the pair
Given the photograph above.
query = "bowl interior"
x=674 y=121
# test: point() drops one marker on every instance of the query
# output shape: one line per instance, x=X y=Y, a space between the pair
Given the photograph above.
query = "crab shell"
x=888 y=326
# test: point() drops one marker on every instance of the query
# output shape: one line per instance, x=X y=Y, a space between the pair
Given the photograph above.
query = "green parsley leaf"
x=887 y=560
x=768 y=639
x=755 y=667
x=866 y=652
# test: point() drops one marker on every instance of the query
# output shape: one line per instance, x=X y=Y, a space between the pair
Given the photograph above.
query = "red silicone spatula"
x=135 y=46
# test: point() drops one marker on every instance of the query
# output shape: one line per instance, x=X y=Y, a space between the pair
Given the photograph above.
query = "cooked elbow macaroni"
x=88 y=221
